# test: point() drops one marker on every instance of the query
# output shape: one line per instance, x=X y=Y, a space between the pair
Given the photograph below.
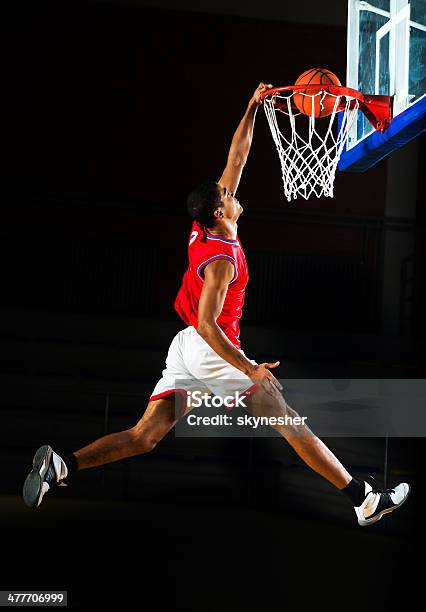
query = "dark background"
x=113 y=112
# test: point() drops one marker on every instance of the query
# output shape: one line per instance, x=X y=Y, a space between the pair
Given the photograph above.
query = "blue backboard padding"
x=368 y=152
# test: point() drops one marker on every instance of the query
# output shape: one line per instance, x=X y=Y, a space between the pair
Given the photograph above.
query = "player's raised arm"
x=241 y=142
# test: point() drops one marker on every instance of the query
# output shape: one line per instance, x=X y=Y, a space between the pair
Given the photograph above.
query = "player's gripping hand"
x=262 y=87
x=262 y=376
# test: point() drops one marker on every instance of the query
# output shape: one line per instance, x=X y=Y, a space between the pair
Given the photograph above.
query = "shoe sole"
x=32 y=490
x=383 y=512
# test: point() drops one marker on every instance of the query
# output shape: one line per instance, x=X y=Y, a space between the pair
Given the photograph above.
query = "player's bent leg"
x=369 y=504
x=156 y=422
x=50 y=469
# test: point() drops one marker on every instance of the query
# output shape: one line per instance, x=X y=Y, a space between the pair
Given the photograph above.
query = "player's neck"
x=227 y=229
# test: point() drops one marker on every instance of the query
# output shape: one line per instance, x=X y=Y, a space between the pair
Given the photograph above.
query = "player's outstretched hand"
x=262 y=376
x=259 y=90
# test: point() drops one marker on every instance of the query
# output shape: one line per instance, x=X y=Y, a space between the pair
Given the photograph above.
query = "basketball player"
x=207 y=355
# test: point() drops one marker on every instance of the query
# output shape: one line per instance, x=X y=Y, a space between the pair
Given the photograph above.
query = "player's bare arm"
x=217 y=276
x=241 y=142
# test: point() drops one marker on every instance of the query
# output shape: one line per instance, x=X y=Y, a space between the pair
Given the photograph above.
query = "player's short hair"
x=203 y=201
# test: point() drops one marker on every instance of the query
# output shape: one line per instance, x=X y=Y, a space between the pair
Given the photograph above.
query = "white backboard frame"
x=398 y=27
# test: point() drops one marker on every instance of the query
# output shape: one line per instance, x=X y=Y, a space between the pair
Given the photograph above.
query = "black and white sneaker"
x=48 y=470
x=378 y=502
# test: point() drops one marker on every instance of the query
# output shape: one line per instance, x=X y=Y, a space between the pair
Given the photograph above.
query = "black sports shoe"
x=378 y=502
x=48 y=470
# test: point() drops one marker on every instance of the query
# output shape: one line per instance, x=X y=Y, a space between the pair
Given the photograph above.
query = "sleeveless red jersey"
x=202 y=249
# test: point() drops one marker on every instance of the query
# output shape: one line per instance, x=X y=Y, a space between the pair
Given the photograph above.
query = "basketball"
x=321 y=105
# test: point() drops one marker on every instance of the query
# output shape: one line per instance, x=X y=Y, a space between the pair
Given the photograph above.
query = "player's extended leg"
x=306 y=444
x=370 y=504
x=49 y=468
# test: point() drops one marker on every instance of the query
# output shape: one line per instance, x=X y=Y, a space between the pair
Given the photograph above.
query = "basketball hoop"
x=308 y=145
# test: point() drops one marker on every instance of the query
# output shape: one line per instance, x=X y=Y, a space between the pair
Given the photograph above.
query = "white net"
x=309 y=148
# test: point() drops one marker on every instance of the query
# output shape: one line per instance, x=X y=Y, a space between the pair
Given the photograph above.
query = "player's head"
x=231 y=208
x=210 y=203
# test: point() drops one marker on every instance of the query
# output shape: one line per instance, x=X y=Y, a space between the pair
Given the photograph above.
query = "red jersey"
x=202 y=249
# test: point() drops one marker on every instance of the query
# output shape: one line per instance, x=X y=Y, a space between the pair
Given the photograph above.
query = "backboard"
x=386 y=54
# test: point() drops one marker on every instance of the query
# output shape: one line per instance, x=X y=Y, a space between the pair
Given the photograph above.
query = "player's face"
x=231 y=207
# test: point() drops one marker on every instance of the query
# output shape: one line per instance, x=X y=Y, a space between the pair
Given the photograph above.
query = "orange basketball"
x=321 y=105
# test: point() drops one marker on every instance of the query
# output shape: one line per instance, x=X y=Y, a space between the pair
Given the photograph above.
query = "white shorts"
x=192 y=365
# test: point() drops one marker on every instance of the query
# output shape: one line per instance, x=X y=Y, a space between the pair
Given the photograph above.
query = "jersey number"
x=192 y=237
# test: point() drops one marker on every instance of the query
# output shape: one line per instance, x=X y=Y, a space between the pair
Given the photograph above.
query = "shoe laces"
x=376 y=489
x=51 y=477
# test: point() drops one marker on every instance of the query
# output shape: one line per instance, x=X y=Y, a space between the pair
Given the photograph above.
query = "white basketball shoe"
x=48 y=469
x=378 y=502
